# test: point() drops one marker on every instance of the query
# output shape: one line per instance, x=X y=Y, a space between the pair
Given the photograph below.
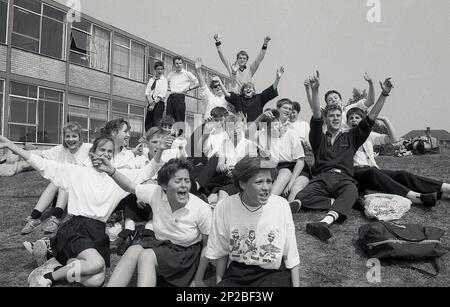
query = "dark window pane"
x=79 y=42
x=31 y=5
x=136 y=110
x=121 y=61
x=120 y=107
x=1 y=106
x=52 y=38
x=3 y=21
x=54 y=13
x=77 y=58
x=26 y=23
x=79 y=100
x=50 y=95
x=22 y=111
x=18 y=133
x=82 y=25
x=25 y=42
x=24 y=90
x=49 y=129
x=154 y=53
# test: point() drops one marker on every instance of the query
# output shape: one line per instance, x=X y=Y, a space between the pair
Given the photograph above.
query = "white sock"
x=130 y=224
x=331 y=217
x=445 y=188
x=149 y=226
x=414 y=197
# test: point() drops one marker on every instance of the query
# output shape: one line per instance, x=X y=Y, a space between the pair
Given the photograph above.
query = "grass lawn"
x=339 y=262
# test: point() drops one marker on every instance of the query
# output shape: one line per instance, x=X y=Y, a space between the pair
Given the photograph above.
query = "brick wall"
x=3 y=50
x=129 y=89
x=36 y=66
x=89 y=79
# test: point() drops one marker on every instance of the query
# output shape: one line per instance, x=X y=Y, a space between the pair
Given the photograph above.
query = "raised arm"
x=198 y=70
x=371 y=97
x=315 y=102
x=6 y=143
x=386 y=88
x=224 y=89
x=308 y=91
x=254 y=66
x=278 y=75
x=393 y=135
x=220 y=52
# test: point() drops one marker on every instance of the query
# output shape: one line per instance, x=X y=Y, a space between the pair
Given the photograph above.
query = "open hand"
x=267 y=39
x=198 y=63
x=217 y=37
x=386 y=86
x=367 y=78
x=280 y=72
x=166 y=142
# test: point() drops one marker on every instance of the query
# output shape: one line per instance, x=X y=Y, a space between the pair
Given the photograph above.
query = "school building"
x=53 y=71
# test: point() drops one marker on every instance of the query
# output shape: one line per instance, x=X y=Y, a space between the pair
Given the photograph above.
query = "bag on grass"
x=385 y=207
x=384 y=240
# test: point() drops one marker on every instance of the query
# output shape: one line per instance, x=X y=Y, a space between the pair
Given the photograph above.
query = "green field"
x=339 y=262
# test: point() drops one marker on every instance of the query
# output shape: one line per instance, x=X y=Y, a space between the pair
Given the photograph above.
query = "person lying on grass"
x=81 y=246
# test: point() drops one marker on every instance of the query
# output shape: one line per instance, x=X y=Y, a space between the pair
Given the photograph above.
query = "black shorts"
x=306 y=171
x=77 y=235
x=242 y=275
x=177 y=264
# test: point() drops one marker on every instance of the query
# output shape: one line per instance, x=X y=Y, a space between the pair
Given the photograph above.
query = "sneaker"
x=42 y=251
x=126 y=238
x=51 y=224
x=29 y=246
x=295 y=206
x=320 y=230
x=30 y=226
x=429 y=199
x=113 y=231
x=36 y=277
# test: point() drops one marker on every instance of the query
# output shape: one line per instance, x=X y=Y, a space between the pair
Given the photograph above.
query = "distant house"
x=443 y=136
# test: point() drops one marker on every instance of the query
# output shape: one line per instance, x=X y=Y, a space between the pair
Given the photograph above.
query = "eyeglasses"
x=217 y=86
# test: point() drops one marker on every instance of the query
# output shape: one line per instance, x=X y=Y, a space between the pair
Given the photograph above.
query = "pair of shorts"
x=306 y=171
x=177 y=264
x=77 y=235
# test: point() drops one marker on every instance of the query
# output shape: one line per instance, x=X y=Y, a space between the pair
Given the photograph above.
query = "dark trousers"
x=176 y=107
x=394 y=182
x=207 y=173
x=152 y=118
x=318 y=193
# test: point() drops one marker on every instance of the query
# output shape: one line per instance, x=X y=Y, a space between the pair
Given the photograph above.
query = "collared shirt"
x=365 y=155
x=338 y=155
x=180 y=81
x=252 y=107
x=160 y=90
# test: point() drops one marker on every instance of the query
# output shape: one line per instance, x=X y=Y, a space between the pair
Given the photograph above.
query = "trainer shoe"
x=42 y=251
x=295 y=206
x=320 y=230
x=51 y=224
x=31 y=224
x=113 y=231
x=36 y=277
x=429 y=199
x=29 y=246
x=126 y=238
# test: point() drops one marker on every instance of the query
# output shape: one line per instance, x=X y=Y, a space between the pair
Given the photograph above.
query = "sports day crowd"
x=223 y=195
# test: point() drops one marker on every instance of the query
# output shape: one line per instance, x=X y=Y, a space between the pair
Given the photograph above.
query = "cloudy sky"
x=410 y=44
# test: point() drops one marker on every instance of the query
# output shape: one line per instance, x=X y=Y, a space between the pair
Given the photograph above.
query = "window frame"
x=8 y=2
x=36 y=124
x=150 y=57
x=41 y=18
x=88 y=108
x=2 y=101
x=127 y=115
x=129 y=47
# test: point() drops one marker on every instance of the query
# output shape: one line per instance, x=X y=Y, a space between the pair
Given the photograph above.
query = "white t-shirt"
x=260 y=238
x=123 y=159
x=61 y=154
x=211 y=100
x=183 y=227
x=365 y=155
x=234 y=154
x=287 y=148
x=302 y=129
x=213 y=143
x=92 y=194
x=178 y=82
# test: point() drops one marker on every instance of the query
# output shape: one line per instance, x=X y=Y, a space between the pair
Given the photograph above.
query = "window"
x=3 y=20
x=89 y=45
x=35 y=114
x=90 y=112
x=154 y=56
x=129 y=58
x=135 y=117
x=168 y=62
x=2 y=84
x=39 y=28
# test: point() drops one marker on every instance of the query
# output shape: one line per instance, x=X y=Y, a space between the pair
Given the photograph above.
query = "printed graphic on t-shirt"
x=249 y=246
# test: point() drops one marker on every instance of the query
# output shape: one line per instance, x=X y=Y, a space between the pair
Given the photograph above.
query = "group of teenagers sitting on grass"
x=223 y=196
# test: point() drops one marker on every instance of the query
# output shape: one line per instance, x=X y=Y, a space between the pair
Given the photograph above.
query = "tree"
x=357 y=95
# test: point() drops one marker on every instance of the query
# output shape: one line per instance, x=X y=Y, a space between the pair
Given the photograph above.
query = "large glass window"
x=168 y=63
x=134 y=115
x=38 y=27
x=2 y=89
x=129 y=58
x=89 y=45
x=90 y=112
x=35 y=114
x=3 y=20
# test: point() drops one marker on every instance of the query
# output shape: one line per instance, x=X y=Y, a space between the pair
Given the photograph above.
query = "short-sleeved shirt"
x=252 y=107
x=287 y=148
x=183 y=227
x=262 y=238
x=365 y=155
x=211 y=100
x=61 y=154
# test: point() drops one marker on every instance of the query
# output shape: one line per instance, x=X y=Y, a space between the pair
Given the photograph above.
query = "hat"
x=356 y=110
